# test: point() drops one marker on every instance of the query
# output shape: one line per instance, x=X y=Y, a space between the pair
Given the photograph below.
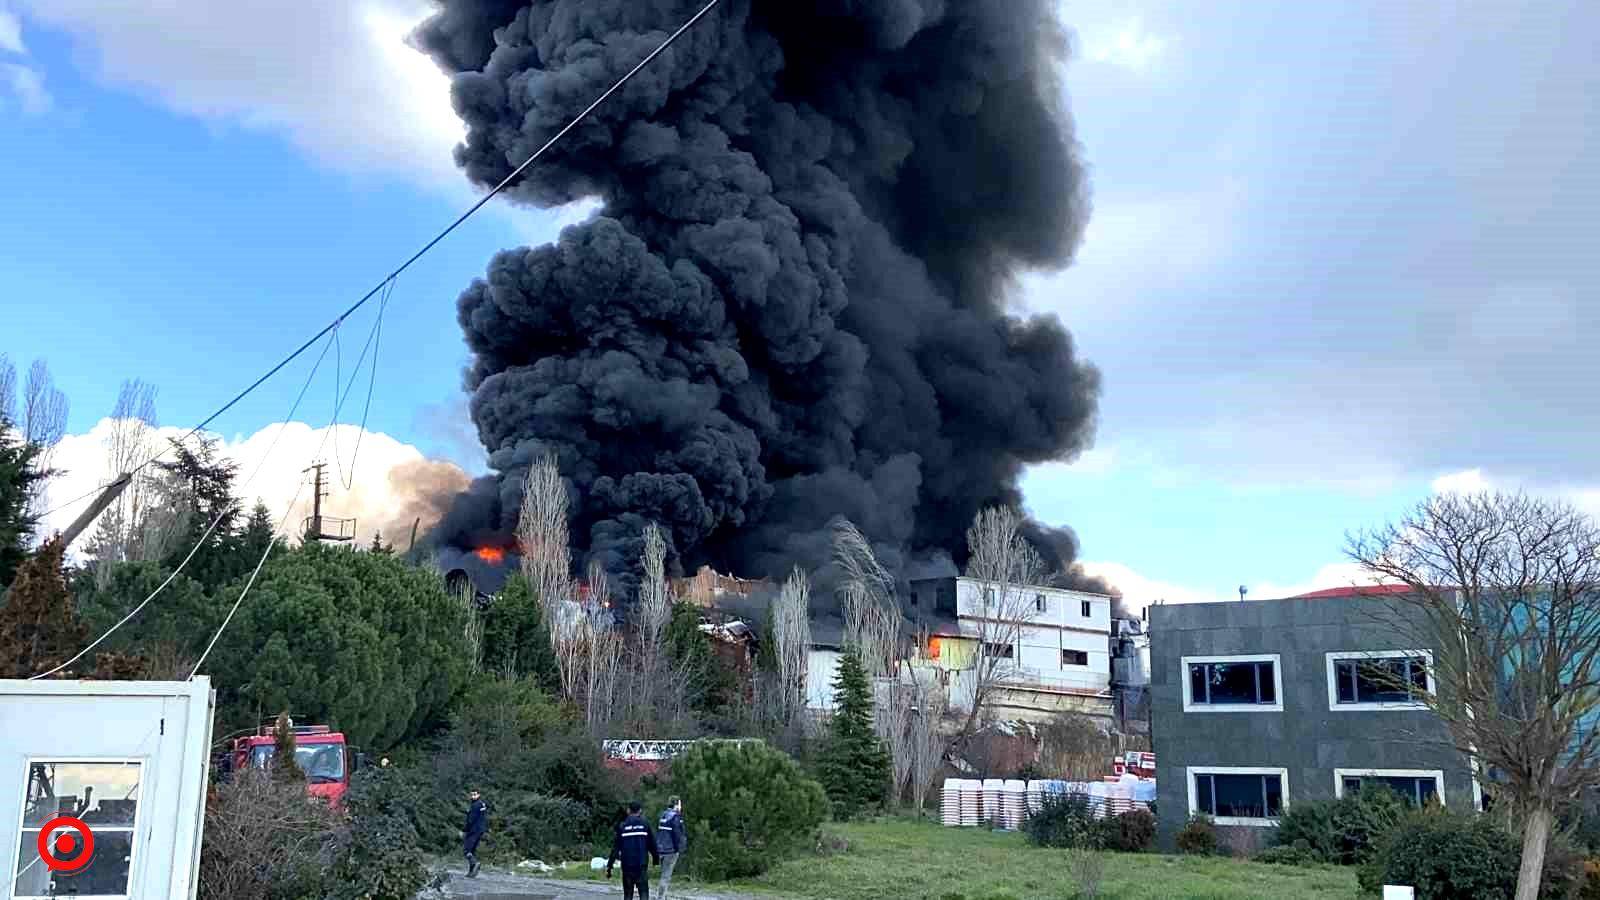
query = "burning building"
x=793 y=303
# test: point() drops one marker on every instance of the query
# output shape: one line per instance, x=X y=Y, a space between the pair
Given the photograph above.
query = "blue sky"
x=1339 y=252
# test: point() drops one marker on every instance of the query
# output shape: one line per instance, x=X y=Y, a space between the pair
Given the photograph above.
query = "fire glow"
x=491 y=555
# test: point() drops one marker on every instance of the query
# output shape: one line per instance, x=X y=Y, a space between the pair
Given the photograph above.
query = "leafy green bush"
x=748 y=806
x=1065 y=821
x=1198 y=837
x=1344 y=831
x=381 y=855
x=1298 y=853
x=1131 y=832
x=1445 y=855
x=547 y=828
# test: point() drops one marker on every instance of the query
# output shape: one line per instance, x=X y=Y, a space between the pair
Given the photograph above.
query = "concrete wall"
x=1305 y=738
x=822 y=667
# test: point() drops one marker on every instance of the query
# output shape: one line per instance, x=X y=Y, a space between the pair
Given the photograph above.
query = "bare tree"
x=655 y=606
x=1504 y=590
x=1002 y=562
x=867 y=591
x=791 y=632
x=542 y=537
x=124 y=531
x=925 y=744
x=466 y=597
x=8 y=389
x=41 y=420
x=891 y=719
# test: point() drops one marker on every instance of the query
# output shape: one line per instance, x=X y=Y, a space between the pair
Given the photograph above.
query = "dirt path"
x=500 y=884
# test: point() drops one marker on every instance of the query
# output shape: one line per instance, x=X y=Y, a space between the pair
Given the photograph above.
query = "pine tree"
x=18 y=477
x=284 y=766
x=853 y=767
x=259 y=532
x=378 y=546
x=515 y=638
x=196 y=488
x=38 y=626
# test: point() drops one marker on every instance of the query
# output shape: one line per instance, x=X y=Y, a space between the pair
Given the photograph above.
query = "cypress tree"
x=853 y=767
x=18 y=475
x=284 y=766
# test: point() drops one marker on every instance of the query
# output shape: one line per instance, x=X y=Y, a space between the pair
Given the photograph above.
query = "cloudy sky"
x=1342 y=254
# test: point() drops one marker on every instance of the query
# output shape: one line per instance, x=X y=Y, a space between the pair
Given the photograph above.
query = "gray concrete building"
x=1258 y=705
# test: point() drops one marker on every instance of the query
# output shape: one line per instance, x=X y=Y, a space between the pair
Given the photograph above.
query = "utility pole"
x=345 y=529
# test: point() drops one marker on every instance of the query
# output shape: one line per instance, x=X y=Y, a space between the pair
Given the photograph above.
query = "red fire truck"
x=320 y=751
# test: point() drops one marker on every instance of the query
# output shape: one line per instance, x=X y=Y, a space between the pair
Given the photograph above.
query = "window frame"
x=1189 y=704
x=1339 y=775
x=134 y=830
x=1247 y=821
x=1333 y=658
x=1066 y=650
x=1039 y=603
x=1010 y=648
x=1087 y=608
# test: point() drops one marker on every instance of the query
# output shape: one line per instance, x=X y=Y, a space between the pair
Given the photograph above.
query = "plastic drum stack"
x=992 y=788
x=950 y=802
x=1013 y=794
x=971 y=802
x=1034 y=797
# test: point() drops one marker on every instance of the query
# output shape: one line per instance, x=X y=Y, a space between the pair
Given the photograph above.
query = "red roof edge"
x=1360 y=590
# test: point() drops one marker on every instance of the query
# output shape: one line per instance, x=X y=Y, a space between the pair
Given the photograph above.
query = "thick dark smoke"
x=792 y=303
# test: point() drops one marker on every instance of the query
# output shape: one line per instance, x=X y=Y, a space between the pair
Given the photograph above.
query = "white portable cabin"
x=129 y=760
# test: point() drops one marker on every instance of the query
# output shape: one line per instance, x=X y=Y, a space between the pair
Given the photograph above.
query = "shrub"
x=1591 y=880
x=265 y=840
x=544 y=827
x=1132 y=832
x=1344 y=831
x=1088 y=869
x=1198 y=837
x=1446 y=855
x=381 y=856
x=1297 y=854
x=748 y=806
x=1065 y=821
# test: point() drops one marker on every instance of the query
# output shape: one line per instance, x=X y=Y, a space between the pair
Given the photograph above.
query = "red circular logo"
x=64 y=845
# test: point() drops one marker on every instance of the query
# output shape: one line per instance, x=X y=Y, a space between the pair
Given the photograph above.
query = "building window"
x=1002 y=651
x=1038 y=603
x=1238 y=796
x=988 y=596
x=1379 y=679
x=1415 y=786
x=1232 y=684
x=104 y=794
x=1074 y=657
x=1086 y=609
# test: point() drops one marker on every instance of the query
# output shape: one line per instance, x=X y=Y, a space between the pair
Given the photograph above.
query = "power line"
x=206 y=535
x=495 y=191
x=374 y=343
x=476 y=207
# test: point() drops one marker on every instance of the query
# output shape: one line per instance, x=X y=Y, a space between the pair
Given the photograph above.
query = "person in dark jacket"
x=473 y=831
x=672 y=838
x=635 y=846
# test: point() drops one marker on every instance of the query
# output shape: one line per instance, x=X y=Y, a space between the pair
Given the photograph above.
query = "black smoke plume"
x=792 y=304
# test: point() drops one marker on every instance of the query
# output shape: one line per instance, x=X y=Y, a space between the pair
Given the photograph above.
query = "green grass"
x=894 y=859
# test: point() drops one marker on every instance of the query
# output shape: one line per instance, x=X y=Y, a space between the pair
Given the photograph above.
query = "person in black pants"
x=473 y=831
x=635 y=846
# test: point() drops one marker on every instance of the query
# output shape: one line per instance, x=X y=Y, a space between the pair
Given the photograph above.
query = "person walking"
x=635 y=846
x=473 y=832
x=672 y=838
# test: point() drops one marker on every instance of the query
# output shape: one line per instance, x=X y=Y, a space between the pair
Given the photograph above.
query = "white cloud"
x=27 y=85
x=1470 y=481
x=1126 y=45
x=336 y=79
x=1139 y=591
x=11 y=32
x=392 y=484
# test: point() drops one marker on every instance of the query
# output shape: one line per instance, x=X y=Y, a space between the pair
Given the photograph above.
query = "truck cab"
x=320 y=752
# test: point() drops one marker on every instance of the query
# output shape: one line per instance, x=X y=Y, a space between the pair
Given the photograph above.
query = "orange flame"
x=492 y=555
x=933 y=648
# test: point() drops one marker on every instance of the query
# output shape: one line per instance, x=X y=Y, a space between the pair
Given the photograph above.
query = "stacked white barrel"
x=971 y=802
x=992 y=788
x=950 y=802
x=1034 y=796
x=1012 y=797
